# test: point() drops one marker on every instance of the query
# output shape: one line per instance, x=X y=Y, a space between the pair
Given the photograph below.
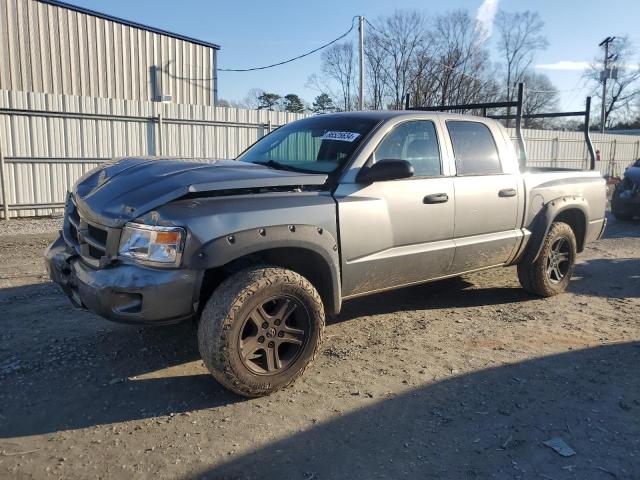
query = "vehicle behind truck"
x=257 y=251
x=625 y=201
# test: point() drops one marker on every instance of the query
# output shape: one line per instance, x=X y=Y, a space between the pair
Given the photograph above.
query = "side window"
x=416 y=142
x=474 y=148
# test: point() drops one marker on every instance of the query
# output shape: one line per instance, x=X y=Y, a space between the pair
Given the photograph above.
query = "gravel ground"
x=461 y=379
x=30 y=226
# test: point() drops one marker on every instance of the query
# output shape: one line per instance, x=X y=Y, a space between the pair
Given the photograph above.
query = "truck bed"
x=545 y=185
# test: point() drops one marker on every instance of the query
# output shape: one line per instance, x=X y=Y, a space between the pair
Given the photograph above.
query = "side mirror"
x=385 y=170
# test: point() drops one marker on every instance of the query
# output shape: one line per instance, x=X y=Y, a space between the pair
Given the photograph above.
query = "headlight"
x=152 y=244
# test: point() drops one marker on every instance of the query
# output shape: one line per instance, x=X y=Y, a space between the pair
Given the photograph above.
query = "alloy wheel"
x=559 y=260
x=273 y=335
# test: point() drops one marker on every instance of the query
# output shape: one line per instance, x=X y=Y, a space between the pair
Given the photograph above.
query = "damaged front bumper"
x=124 y=292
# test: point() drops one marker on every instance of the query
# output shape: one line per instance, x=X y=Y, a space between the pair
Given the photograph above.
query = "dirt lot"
x=458 y=379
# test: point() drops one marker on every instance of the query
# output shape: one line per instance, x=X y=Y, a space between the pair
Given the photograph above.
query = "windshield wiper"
x=283 y=166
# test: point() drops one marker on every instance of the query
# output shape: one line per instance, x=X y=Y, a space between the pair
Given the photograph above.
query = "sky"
x=256 y=33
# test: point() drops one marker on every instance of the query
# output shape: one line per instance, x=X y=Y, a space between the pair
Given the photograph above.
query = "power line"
x=580 y=86
x=294 y=58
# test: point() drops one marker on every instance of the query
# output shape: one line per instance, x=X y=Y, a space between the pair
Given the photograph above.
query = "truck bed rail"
x=518 y=117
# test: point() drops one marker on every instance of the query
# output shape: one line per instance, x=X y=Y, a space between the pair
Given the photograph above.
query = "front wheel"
x=260 y=330
x=551 y=272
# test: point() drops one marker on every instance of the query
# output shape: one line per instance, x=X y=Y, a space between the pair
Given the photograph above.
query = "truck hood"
x=120 y=191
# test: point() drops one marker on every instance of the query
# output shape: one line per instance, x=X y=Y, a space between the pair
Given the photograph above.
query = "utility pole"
x=361 y=86
x=604 y=75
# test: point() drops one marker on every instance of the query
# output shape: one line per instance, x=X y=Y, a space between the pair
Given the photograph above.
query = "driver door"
x=398 y=232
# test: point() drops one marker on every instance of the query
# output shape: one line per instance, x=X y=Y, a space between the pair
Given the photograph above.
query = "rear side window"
x=474 y=148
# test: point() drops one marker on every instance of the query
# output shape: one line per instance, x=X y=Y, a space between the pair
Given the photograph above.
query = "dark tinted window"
x=474 y=148
x=415 y=142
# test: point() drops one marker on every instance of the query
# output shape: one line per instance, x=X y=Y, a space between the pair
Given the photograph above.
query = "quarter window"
x=415 y=142
x=474 y=148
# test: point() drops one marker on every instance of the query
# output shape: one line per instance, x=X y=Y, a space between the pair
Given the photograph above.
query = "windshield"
x=320 y=144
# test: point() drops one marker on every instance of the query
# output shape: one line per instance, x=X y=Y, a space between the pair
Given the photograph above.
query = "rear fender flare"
x=543 y=220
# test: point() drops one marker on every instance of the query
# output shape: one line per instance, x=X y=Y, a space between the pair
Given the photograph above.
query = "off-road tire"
x=220 y=327
x=622 y=216
x=615 y=209
x=534 y=277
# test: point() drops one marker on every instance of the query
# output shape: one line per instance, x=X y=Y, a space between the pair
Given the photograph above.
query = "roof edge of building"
x=57 y=3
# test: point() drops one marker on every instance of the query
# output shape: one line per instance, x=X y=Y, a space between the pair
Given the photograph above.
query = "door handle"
x=507 y=192
x=436 y=198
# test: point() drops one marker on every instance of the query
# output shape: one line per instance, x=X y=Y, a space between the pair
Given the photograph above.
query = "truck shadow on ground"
x=486 y=424
x=467 y=291
x=67 y=369
x=622 y=229
x=604 y=277
x=80 y=371
x=456 y=292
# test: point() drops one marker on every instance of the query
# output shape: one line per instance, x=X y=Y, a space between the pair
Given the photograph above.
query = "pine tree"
x=323 y=104
x=293 y=103
x=268 y=101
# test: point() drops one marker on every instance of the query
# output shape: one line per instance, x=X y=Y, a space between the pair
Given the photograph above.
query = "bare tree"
x=400 y=37
x=339 y=64
x=375 y=58
x=519 y=38
x=453 y=65
x=251 y=99
x=541 y=96
x=623 y=91
x=442 y=60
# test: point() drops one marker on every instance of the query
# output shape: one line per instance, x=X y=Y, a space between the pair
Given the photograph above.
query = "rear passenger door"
x=486 y=198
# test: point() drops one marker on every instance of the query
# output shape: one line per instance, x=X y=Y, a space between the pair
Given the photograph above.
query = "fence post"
x=613 y=157
x=160 y=149
x=3 y=186
x=555 y=146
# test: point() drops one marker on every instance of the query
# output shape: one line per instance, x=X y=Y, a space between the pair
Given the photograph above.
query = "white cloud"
x=564 y=65
x=485 y=15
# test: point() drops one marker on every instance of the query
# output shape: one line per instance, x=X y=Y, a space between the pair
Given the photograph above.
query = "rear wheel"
x=550 y=274
x=260 y=330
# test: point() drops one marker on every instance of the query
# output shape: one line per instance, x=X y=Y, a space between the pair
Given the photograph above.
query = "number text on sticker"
x=342 y=136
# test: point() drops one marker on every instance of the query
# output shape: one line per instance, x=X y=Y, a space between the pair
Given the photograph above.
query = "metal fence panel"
x=48 y=140
x=551 y=148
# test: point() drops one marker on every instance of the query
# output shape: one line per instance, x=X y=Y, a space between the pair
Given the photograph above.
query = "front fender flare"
x=232 y=246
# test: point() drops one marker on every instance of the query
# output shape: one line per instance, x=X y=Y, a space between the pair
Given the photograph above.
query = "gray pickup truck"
x=258 y=249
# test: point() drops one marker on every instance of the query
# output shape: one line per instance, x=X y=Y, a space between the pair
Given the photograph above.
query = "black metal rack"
x=518 y=117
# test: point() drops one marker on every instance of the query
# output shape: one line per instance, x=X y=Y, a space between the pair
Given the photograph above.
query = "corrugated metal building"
x=47 y=46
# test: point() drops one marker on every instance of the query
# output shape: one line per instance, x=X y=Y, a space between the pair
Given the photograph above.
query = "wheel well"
x=575 y=218
x=307 y=263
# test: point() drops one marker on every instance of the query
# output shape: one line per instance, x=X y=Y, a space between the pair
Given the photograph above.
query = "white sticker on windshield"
x=342 y=136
